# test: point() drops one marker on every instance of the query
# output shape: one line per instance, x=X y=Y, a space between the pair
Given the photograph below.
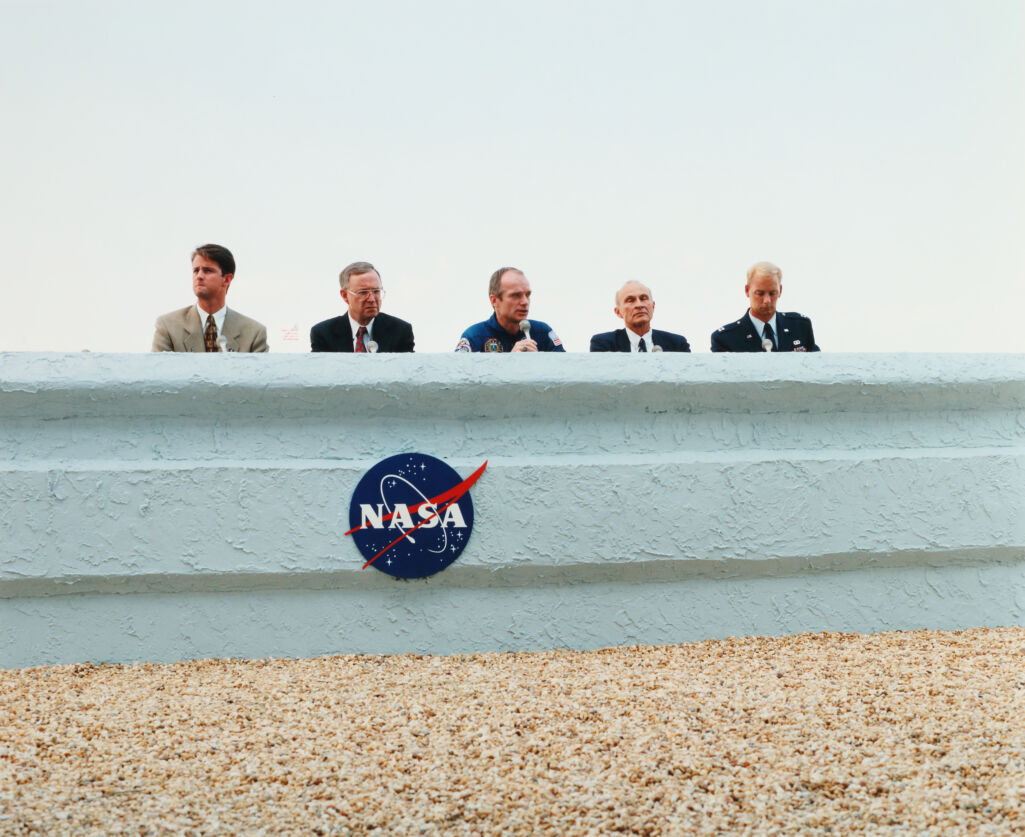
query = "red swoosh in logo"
x=447 y=497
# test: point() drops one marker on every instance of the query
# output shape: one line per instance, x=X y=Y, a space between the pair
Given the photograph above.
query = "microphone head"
x=222 y=344
x=525 y=327
x=656 y=348
x=766 y=345
x=371 y=346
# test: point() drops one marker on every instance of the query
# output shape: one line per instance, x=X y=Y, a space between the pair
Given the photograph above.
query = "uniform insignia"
x=797 y=342
x=492 y=344
x=554 y=338
x=463 y=345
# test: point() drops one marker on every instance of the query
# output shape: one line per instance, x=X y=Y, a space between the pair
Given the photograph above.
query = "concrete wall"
x=178 y=506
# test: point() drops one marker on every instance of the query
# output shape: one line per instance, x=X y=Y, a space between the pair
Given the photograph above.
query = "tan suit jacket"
x=182 y=331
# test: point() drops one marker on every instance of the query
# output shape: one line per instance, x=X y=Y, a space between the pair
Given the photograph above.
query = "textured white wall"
x=160 y=507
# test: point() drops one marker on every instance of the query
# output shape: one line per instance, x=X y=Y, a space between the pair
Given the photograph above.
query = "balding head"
x=636 y=305
x=509 y=292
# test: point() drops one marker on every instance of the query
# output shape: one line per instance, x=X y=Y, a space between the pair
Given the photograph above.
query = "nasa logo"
x=492 y=345
x=411 y=515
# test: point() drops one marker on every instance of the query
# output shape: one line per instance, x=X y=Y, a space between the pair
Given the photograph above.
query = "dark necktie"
x=361 y=334
x=641 y=347
x=768 y=333
x=210 y=334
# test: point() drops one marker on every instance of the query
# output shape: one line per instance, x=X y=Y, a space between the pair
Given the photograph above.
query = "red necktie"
x=361 y=334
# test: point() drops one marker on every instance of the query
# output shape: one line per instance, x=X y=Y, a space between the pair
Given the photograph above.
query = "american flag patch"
x=554 y=338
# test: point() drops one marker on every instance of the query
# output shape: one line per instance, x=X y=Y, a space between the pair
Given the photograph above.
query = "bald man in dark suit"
x=635 y=305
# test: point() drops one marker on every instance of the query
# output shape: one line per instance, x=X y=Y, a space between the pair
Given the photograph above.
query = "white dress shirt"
x=760 y=327
x=218 y=318
x=635 y=340
x=355 y=329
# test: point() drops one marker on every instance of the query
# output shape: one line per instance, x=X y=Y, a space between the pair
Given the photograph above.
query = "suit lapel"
x=193 y=331
x=622 y=341
x=753 y=341
x=345 y=333
x=232 y=331
x=785 y=337
x=380 y=336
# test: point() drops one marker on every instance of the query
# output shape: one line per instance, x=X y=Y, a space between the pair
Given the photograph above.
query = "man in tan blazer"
x=209 y=325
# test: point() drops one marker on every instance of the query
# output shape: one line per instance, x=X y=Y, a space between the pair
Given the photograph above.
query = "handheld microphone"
x=525 y=328
x=222 y=344
x=655 y=347
x=766 y=345
x=371 y=347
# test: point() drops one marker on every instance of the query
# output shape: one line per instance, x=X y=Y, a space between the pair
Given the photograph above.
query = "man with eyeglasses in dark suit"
x=364 y=329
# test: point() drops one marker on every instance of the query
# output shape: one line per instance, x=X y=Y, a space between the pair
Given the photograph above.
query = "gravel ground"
x=898 y=733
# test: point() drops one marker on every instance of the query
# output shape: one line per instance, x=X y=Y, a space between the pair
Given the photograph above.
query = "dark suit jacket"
x=617 y=341
x=795 y=335
x=335 y=335
x=182 y=331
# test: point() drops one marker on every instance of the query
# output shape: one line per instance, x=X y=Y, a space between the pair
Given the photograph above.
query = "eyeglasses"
x=363 y=294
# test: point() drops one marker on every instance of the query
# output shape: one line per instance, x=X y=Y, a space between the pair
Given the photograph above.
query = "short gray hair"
x=495 y=285
x=355 y=269
x=764 y=269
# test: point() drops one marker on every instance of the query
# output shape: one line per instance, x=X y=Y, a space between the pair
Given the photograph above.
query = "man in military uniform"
x=508 y=329
x=763 y=328
x=635 y=305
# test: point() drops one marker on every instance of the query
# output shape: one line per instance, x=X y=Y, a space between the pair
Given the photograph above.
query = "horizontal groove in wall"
x=651 y=572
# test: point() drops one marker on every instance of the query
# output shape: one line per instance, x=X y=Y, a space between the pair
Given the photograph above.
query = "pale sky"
x=874 y=150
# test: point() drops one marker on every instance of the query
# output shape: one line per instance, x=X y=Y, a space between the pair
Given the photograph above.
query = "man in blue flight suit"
x=763 y=328
x=509 y=330
x=635 y=306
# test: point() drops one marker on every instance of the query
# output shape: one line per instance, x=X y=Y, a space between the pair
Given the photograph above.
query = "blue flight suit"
x=489 y=336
